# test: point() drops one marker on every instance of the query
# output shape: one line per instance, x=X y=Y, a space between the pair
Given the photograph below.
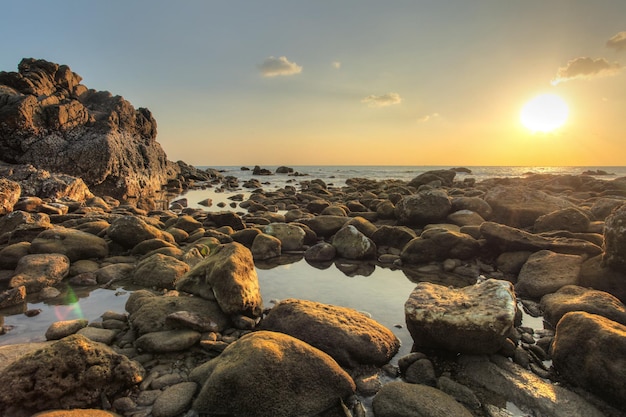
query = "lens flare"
x=70 y=308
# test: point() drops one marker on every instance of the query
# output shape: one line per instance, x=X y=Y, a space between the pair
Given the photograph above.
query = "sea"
x=377 y=290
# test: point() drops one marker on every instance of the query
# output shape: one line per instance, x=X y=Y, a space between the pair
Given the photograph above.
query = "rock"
x=83 y=412
x=159 y=271
x=148 y=312
x=347 y=335
x=615 y=240
x=226 y=275
x=474 y=204
x=38 y=271
x=413 y=400
x=545 y=272
x=71 y=373
x=129 y=231
x=174 y=400
x=12 y=297
x=520 y=207
x=393 y=236
x=421 y=371
x=114 y=272
x=186 y=223
x=9 y=194
x=350 y=243
x=167 y=341
x=512 y=262
x=290 y=378
x=474 y=319
x=459 y=392
x=429 y=206
x=105 y=336
x=72 y=243
x=589 y=351
x=291 y=236
x=523 y=388
x=596 y=275
x=438 y=244
x=20 y=226
x=225 y=218
x=284 y=170
x=150 y=245
x=362 y=225
x=572 y=219
x=575 y=298
x=265 y=246
x=320 y=252
x=60 y=329
x=325 y=226
x=443 y=176
x=509 y=239
x=10 y=255
x=104 y=140
x=465 y=218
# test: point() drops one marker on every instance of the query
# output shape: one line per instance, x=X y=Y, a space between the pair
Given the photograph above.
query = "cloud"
x=618 y=41
x=586 y=68
x=428 y=117
x=382 y=101
x=273 y=67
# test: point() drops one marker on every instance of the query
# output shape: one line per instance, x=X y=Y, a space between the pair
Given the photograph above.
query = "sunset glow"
x=544 y=113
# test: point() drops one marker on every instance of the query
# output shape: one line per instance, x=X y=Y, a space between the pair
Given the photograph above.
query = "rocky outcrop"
x=50 y=120
x=269 y=374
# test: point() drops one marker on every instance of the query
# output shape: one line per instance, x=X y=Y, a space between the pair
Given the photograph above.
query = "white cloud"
x=273 y=67
x=428 y=117
x=336 y=64
x=618 y=41
x=382 y=101
x=586 y=68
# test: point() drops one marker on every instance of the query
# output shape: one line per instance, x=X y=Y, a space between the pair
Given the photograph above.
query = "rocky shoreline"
x=196 y=338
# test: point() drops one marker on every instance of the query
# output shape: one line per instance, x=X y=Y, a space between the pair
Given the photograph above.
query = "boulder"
x=393 y=236
x=71 y=373
x=70 y=242
x=82 y=412
x=149 y=312
x=571 y=219
x=320 y=252
x=9 y=194
x=465 y=218
x=159 y=271
x=225 y=218
x=363 y=225
x=575 y=298
x=60 y=329
x=12 y=297
x=546 y=272
x=103 y=138
x=439 y=176
x=325 y=226
x=428 y=206
x=268 y=374
x=347 y=335
x=10 y=255
x=474 y=319
x=20 y=226
x=615 y=240
x=596 y=275
x=589 y=351
x=291 y=236
x=350 y=243
x=474 y=204
x=265 y=247
x=129 y=231
x=513 y=383
x=503 y=238
x=174 y=400
x=438 y=244
x=228 y=276
x=520 y=207
x=38 y=271
x=415 y=400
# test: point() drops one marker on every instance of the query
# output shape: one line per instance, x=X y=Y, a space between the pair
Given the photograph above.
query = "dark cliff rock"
x=50 y=120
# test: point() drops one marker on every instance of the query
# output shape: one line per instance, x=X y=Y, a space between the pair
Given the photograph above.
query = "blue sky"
x=346 y=82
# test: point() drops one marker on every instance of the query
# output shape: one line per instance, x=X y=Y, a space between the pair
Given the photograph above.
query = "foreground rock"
x=289 y=378
x=350 y=337
x=474 y=319
x=545 y=272
x=38 y=271
x=104 y=140
x=589 y=351
x=71 y=373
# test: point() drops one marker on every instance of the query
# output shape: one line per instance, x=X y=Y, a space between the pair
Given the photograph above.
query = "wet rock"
x=60 y=329
x=129 y=231
x=588 y=350
x=438 y=244
x=572 y=219
x=363 y=225
x=429 y=206
x=290 y=378
x=114 y=272
x=459 y=392
x=9 y=195
x=149 y=312
x=38 y=271
x=174 y=400
x=265 y=247
x=520 y=207
x=404 y=399
x=167 y=341
x=421 y=371
x=291 y=237
x=105 y=336
x=13 y=297
x=71 y=373
x=575 y=298
x=325 y=226
x=545 y=272
x=159 y=271
x=525 y=389
x=320 y=252
x=350 y=243
x=74 y=244
x=393 y=236
x=474 y=319
x=347 y=335
x=615 y=240
x=226 y=275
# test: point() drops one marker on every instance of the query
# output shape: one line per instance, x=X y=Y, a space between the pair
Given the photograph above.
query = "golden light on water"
x=544 y=113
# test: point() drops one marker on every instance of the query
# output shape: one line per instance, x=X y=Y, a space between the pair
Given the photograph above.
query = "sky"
x=354 y=82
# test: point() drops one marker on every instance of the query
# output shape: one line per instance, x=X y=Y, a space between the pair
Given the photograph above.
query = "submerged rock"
x=474 y=319
x=289 y=377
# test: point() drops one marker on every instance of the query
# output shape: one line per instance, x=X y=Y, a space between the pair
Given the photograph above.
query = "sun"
x=544 y=113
